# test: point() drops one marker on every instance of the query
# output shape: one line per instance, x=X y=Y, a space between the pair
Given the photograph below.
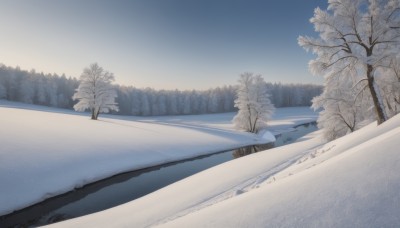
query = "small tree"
x=253 y=103
x=95 y=91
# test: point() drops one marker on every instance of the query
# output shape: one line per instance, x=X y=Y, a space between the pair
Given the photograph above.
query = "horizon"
x=169 y=45
x=157 y=89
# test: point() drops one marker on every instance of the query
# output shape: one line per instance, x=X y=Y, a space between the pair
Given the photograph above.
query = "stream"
x=129 y=186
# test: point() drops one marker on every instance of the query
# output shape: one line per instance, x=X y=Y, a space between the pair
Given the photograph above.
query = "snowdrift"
x=45 y=151
x=44 y=154
x=351 y=182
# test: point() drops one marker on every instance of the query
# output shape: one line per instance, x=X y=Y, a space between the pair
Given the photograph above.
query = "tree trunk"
x=94 y=116
x=379 y=109
x=97 y=113
x=250 y=124
x=254 y=125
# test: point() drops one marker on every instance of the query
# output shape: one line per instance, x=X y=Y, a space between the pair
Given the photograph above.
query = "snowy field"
x=350 y=182
x=282 y=120
x=45 y=151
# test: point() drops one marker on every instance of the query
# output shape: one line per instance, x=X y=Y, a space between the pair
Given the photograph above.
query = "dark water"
x=126 y=187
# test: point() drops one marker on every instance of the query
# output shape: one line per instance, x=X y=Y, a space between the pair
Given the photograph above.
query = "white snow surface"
x=46 y=152
x=353 y=181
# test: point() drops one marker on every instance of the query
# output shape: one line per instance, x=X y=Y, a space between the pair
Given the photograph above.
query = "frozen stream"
x=129 y=186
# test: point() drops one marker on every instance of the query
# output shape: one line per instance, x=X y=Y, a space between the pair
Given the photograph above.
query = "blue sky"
x=164 y=44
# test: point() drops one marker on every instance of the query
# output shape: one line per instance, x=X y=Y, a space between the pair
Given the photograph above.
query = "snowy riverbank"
x=46 y=152
x=349 y=182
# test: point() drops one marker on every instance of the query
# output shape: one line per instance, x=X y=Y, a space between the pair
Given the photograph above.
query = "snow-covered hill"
x=351 y=182
x=46 y=152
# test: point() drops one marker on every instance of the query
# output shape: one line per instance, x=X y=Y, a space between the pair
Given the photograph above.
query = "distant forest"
x=56 y=91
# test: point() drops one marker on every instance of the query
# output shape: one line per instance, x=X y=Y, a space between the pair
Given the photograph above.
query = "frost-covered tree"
x=2 y=91
x=26 y=91
x=187 y=109
x=162 y=103
x=173 y=108
x=213 y=105
x=343 y=110
x=95 y=92
x=253 y=103
x=145 y=105
x=356 y=35
x=40 y=95
x=51 y=92
x=390 y=84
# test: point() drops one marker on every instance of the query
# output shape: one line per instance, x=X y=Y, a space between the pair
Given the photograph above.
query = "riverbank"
x=46 y=152
x=123 y=188
x=350 y=182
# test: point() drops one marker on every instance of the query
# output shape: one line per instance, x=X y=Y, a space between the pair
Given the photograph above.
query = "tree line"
x=57 y=91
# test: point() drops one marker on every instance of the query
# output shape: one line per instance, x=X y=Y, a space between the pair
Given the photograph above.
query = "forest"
x=56 y=91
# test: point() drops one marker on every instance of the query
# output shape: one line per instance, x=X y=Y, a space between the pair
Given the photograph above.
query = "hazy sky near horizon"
x=163 y=44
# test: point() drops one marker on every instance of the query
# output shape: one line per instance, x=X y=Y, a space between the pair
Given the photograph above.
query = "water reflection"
x=296 y=133
x=281 y=139
x=251 y=149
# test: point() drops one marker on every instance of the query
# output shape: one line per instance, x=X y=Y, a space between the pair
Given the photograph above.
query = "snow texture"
x=349 y=182
x=46 y=152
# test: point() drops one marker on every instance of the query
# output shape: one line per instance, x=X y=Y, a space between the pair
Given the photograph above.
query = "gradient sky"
x=163 y=44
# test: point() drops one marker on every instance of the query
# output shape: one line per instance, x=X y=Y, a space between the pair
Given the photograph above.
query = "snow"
x=46 y=152
x=267 y=136
x=350 y=182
